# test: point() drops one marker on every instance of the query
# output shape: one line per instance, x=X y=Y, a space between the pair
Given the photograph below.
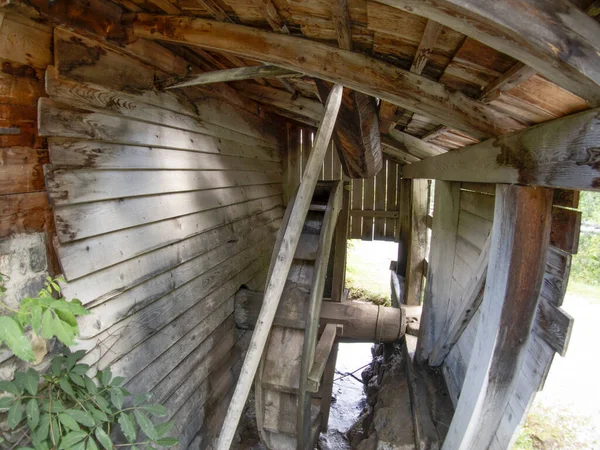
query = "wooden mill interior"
x=194 y=169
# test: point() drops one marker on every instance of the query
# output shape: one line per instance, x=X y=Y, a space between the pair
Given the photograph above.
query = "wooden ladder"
x=293 y=363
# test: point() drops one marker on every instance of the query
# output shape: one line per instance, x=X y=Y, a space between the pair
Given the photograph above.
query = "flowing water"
x=348 y=393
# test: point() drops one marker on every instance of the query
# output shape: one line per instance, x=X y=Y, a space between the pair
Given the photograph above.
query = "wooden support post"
x=341 y=247
x=441 y=264
x=520 y=240
x=404 y=190
x=416 y=243
x=283 y=254
x=327 y=386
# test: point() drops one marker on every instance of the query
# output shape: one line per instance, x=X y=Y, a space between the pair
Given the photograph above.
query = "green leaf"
x=55 y=432
x=105 y=377
x=66 y=386
x=90 y=385
x=79 y=446
x=40 y=445
x=116 y=398
x=32 y=412
x=99 y=415
x=127 y=427
x=41 y=434
x=84 y=418
x=156 y=410
x=80 y=369
x=77 y=379
x=63 y=331
x=117 y=381
x=167 y=442
x=138 y=399
x=164 y=428
x=91 y=444
x=103 y=404
x=57 y=363
x=71 y=439
x=103 y=439
x=5 y=402
x=36 y=318
x=15 y=414
x=32 y=379
x=76 y=308
x=11 y=388
x=12 y=335
x=68 y=421
x=47 y=326
x=146 y=425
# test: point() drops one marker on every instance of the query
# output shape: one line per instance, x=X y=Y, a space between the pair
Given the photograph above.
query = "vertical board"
x=380 y=199
x=357 y=199
x=391 y=201
x=368 y=205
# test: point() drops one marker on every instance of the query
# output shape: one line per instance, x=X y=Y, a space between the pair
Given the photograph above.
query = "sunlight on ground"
x=566 y=413
x=368 y=270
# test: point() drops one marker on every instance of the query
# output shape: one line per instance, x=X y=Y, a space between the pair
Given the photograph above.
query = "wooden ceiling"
x=389 y=34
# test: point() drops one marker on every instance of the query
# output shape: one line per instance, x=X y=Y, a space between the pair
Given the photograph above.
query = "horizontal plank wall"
x=163 y=211
x=476 y=215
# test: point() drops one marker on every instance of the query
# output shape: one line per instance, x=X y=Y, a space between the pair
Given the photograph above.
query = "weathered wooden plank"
x=56 y=121
x=474 y=229
x=357 y=71
x=23 y=213
x=514 y=76
x=380 y=198
x=82 y=186
x=90 y=219
x=25 y=44
x=395 y=151
x=391 y=202
x=415 y=146
x=341 y=247
x=565 y=197
x=21 y=170
x=67 y=153
x=89 y=255
x=224 y=76
x=441 y=263
x=357 y=199
x=322 y=351
x=555 y=38
x=466 y=308
x=520 y=240
x=565 y=229
x=215 y=245
x=559 y=153
x=161 y=109
x=368 y=205
x=417 y=243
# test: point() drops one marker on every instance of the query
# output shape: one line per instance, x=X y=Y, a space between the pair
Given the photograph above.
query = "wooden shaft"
x=362 y=322
x=282 y=257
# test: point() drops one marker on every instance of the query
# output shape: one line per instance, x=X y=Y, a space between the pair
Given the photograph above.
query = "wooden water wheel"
x=292 y=364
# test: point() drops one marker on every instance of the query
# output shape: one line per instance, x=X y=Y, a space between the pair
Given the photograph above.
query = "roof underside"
x=385 y=33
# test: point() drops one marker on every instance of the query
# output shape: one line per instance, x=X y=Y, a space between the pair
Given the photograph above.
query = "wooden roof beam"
x=514 y=76
x=415 y=146
x=562 y=153
x=354 y=70
x=554 y=37
x=224 y=76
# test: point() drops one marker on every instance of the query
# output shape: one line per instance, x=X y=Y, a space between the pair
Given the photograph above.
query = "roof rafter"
x=355 y=70
x=554 y=37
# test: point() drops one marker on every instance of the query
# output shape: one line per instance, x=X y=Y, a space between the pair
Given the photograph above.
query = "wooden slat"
x=380 y=198
x=223 y=76
x=520 y=240
x=565 y=229
x=322 y=352
x=441 y=263
x=355 y=70
x=417 y=243
x=391 y=201
x=368 y=205
x=567 y=159
x=357 y=198
x=341 y=247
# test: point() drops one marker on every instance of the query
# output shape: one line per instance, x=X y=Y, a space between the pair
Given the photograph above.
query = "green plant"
x=46 y=315
x=66 y=408
x=72 y=411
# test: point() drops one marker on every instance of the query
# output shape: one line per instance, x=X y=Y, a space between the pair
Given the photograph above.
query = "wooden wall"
x=164 y=208
x=25 y=51
x=475 y=217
